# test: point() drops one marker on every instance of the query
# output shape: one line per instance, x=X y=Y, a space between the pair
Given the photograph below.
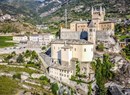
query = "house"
x=42 y=27
x=47 y=38
x=35 y=38
x=20 y=38
x=61 y=72
x=124 y=43
x=43 y=39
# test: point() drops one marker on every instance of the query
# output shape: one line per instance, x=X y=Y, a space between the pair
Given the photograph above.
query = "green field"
x=4 y=41
x=8 y=86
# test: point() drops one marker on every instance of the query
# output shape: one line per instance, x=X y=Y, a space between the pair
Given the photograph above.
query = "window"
x=90 y=30
x=85 y=50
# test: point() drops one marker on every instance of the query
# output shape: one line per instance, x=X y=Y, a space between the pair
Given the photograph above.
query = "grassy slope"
x=4 y=43
x=8 y=86
x=16 y=69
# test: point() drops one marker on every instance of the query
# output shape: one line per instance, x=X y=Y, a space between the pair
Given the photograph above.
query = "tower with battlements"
x=98 y=16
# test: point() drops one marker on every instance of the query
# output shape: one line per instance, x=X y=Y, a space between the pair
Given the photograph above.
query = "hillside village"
x=86 y=58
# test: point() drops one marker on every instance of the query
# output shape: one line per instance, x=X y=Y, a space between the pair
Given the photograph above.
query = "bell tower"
x=97 y=16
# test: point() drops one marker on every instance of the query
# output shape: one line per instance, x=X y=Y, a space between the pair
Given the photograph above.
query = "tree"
x=43 y=48
x=90 y=88
x=17 y=75
x=6 y=59
x=100 y=47
x=107 y=65
x=45 y=80
x=126 y=51
x=102 y=72
x=27 y=53
x=20 y=59
x=13 y=53
x=77 y=68
x=54 y=88
x=34 y=55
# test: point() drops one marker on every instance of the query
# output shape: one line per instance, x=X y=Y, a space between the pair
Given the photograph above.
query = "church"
x=77 y=44
x=95 y=29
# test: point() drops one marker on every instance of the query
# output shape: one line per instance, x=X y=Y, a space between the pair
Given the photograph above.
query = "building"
x=47 y=38
x=88 y=33
x=35 y=38
x=77 y=44
x=44 y=39
x=125 y=43
x=65 y=53
x=65 y=50
x=20 y=38
x=97 y=29
x=61 y=72
x=79 y=25
x=40 y=27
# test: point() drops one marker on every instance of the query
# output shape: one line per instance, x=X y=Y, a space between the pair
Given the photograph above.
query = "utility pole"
x=66 y=14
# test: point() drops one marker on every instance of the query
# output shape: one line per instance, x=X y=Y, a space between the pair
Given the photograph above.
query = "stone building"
x=65 y=54
x=93 y=30
x=65 y=50
x=77 y=44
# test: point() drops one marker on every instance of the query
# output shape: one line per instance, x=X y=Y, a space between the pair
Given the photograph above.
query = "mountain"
x=31 y=9
x=81 y=9
x=39 y=11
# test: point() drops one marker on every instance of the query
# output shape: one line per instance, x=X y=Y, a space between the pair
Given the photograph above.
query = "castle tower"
x=97 y=16
x=92 y=33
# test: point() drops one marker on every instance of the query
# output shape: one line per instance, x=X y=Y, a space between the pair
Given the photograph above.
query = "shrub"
x=100 y=47
x=17 y=75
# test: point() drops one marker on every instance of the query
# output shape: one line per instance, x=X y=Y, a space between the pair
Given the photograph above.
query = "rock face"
x=123 y=76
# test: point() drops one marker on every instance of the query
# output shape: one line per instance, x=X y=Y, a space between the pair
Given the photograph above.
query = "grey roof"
x=79 y=22
x=115 y=91
x=71 y=41
x=67 y=47
x=61 y=67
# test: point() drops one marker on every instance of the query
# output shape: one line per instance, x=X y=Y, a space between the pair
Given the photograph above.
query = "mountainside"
x=37 y=11
x=81 y=9
x=30 y=9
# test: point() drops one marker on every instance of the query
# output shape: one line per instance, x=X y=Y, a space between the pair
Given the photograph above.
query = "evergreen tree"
x=102 y=72
x=20 y=59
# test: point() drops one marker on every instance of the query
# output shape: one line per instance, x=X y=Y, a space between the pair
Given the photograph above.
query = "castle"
x=89 y=30
x=78 y=44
